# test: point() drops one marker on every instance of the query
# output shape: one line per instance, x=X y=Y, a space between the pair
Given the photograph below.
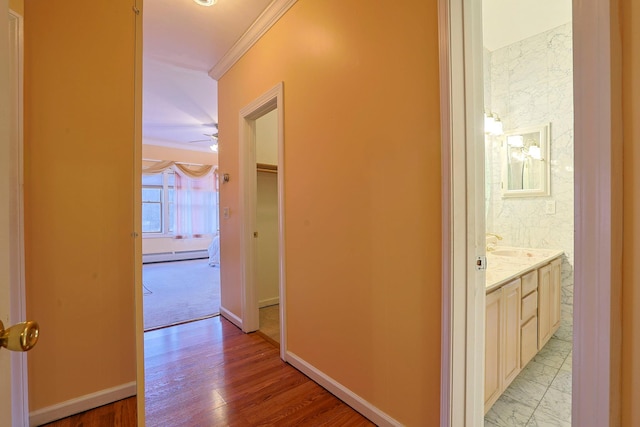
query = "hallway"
x=210 y=373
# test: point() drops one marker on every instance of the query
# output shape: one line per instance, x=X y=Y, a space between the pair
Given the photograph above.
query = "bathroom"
x=528 y=88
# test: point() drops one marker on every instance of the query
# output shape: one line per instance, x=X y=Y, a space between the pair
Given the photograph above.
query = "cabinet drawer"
x=529 y=306
x=529 y=282
x=528 y=341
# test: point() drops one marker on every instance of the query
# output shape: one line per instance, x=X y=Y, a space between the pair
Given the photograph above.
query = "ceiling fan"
x=211 y=137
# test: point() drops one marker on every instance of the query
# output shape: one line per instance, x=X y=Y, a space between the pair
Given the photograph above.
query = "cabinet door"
x=554 y=295
x=544 y=305
x=492 y=347
x=512 y=297
x=529 y=343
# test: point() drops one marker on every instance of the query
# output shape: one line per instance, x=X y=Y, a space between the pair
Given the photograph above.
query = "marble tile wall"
x=529 y=83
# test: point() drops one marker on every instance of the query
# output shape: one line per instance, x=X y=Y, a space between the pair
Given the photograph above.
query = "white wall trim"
x=462 y=381
x=262 y=24
x=268 y=101
x=268 y=302
x=364 y=407
x=598 y=214
x=82 y=403
x=227 y=314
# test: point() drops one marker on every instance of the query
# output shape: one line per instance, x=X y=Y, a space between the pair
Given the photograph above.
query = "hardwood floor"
x=209 y=373
x=121 y=413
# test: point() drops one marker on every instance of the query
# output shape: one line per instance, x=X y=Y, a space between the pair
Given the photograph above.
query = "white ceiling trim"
x=266 y=20
x=178 y=145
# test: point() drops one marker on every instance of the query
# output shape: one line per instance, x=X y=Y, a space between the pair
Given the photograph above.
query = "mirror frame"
x=543 y=168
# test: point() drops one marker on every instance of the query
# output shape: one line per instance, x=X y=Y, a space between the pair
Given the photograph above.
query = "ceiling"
x=507 y=21
x=182 y=42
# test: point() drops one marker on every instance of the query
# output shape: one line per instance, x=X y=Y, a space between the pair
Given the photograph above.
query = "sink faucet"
x=492 y=241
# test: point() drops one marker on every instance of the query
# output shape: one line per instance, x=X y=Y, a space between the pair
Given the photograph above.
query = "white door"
x=5 y=359
x=14 y=406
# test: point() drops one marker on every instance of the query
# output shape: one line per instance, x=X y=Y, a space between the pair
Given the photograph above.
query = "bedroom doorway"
x=180 y=245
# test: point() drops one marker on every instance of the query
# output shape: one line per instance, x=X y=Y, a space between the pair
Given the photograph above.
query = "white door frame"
x=598 y=216
x=18 y=312
x=270 y=100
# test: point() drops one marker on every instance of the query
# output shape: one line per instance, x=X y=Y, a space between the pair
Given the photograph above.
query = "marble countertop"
x=505 y=263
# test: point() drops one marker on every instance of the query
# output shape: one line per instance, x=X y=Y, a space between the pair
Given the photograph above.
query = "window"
x=158 y=203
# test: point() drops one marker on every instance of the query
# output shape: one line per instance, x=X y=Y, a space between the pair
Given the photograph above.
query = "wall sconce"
x=492 y=124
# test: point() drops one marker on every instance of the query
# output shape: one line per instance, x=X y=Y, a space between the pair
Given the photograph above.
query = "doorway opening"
x=262 y=187
x=597 y=204
x=180 y=243
x=529 y=214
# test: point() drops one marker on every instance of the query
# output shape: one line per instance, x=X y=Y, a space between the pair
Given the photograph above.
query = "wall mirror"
x=525 y=165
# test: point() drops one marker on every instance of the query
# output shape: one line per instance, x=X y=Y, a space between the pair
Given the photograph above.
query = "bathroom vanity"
x=522 y=312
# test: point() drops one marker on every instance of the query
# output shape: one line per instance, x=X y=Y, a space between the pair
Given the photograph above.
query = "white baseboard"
x=365 y=408
x=231 y=317
x=81 y=404
x=269 y=301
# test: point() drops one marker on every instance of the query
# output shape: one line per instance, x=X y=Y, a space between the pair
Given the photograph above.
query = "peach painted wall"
x=630 y=17
x=17 y=6
x=362 y=193
x=79 y=196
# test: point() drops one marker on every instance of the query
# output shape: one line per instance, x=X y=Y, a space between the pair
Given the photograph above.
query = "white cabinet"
x=521 y=316
x=529 y=318
x=548 y=301
x=492 y=348
x=511 y=295
x=502 y=340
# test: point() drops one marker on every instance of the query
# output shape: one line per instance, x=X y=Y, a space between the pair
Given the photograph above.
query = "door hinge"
x=481 y=263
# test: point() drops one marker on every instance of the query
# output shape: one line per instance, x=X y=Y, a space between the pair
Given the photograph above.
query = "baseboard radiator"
x=174 y=256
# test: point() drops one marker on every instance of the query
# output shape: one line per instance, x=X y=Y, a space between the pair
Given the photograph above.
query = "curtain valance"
x=192 y=171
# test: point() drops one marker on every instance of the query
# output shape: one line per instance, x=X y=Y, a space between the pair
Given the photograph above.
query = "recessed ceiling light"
x=206 y=2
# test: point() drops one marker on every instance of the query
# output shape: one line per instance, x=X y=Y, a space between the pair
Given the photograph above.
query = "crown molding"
x=177 y=145
x=265 y=21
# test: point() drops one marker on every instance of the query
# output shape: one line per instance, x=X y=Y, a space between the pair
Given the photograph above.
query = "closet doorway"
x=262 y=187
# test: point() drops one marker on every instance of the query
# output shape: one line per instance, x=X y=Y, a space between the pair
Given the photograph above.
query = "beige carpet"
x=179 y=291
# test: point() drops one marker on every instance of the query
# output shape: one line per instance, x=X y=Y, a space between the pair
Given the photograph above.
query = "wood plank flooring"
x=209 y=373
x=121 y=413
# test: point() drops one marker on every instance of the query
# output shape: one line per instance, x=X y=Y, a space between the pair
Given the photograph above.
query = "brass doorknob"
x=20 y=337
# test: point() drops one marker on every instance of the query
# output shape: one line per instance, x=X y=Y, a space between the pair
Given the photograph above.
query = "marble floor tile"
x=568 y=363
x=507 y=412
x=542 y=420
x=539 y=373
x=562 y=381
x=488 y=423
x=559 y=346
x=526 y=392
x=552 y=355
x=556 y=404
x=564 y=333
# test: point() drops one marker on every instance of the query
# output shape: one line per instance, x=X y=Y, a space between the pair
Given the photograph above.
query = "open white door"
x=5 y=360
x=14 y=408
